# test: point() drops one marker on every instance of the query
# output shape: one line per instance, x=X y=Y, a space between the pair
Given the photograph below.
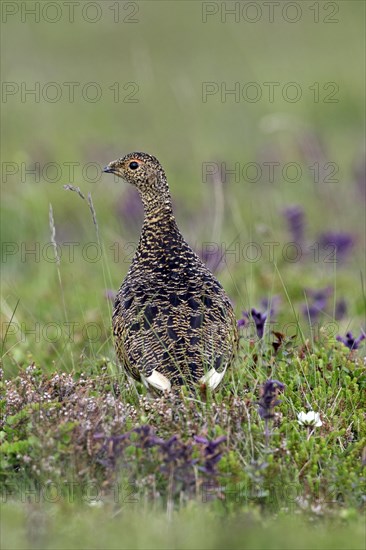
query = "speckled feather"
x=171 y=316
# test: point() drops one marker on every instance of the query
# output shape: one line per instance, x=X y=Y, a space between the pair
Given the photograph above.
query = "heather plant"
x=88 y=426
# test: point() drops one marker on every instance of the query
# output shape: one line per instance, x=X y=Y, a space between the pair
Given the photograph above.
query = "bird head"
x=140 y=169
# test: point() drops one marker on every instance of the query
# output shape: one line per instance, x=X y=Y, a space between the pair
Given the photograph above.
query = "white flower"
x=309 y=419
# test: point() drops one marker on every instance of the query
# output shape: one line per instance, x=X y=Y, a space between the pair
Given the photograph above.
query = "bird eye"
x=133 y=165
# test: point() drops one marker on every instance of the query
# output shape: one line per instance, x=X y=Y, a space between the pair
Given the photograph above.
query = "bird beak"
x=108 y=169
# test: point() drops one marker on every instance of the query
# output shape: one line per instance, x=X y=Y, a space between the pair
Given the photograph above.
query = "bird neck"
x=157 y=204
x=159 y=227
x=160 y=217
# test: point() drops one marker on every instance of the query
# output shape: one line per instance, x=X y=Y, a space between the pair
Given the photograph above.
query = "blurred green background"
x=138 y=75
x=148 y=63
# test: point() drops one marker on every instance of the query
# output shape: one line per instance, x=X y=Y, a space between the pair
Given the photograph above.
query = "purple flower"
x=338 y=244
x=212 y=454
x=210 y=445
x=316 y=302
x=350 y=341
x=242 y=322
x=148 y=437
x=268 y=398
x=200 y=439
x=295 y=218
x=271 y=305
x=340 y=309
x=172 y=457
x=259 y=321
x=176 y=454
x=312 y=312
x=212 y=257
x=320 y=294
x=258 y=318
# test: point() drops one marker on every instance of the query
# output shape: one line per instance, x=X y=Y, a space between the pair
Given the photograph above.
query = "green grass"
x=60 y=319
x=70 y=526
x=62 y=446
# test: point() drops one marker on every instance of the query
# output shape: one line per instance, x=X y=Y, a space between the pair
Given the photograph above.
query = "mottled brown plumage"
x=172 y=320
